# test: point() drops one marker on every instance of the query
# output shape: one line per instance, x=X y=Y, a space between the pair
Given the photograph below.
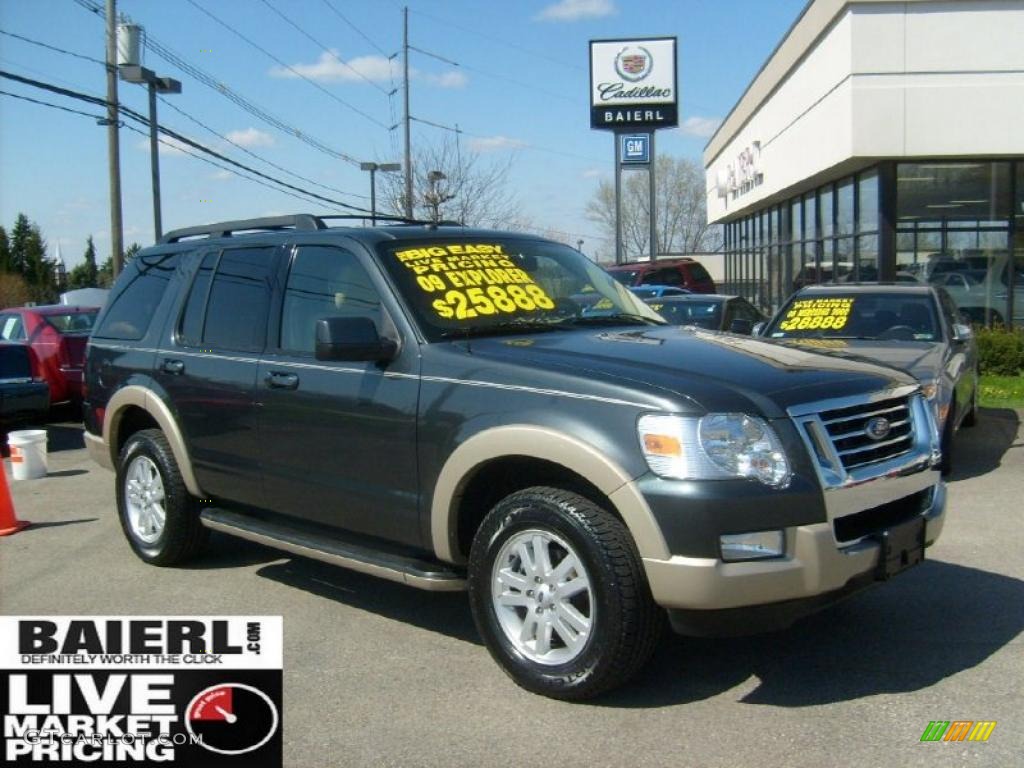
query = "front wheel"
x=560 y=596
x=159 y=517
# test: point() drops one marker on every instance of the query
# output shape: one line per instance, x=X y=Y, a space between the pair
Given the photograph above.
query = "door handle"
x=282 y=380
x=173 y=366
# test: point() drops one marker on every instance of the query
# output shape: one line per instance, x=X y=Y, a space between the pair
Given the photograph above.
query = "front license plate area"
x=902 y=548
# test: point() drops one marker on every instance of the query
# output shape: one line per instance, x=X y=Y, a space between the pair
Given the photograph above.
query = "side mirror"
x=741 y=326
x=352 y=339
x=758 y=328
x=962 y=332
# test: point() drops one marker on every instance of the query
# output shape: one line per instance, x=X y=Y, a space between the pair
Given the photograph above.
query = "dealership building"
x=880 y=141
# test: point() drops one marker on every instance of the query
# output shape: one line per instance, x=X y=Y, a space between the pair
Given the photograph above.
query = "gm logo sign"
x=635 y=147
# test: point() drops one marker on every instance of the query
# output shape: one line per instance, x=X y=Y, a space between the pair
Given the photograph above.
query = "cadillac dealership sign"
x=633 y=84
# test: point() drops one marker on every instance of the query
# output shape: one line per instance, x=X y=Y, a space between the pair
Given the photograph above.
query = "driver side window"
x=323 y=282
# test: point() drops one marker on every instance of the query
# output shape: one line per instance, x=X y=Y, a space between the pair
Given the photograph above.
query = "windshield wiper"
x=619 y=318
x=519 y=325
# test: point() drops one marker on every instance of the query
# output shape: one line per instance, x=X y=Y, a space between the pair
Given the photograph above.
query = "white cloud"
x=574 y=10
x=592 y=173
x=221 y=176
x=331 y=68
x=250 y=137
x=703 y=127
x=449 y=79
x=495 y=143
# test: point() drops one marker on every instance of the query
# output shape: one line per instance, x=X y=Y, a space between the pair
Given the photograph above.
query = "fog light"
x=757 y=545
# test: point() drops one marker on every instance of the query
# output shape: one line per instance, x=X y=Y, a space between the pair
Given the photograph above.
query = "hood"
x=921 y=359
x=708 y=371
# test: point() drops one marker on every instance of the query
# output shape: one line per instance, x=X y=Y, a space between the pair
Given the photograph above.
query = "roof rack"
x=302 y=222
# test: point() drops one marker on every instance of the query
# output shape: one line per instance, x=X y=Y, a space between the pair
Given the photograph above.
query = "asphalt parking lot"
x=380 y=674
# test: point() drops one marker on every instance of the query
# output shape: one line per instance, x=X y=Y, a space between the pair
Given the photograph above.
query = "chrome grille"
x=855 y=447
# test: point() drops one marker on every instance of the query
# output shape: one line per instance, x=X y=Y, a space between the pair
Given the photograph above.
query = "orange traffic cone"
x=9 y=522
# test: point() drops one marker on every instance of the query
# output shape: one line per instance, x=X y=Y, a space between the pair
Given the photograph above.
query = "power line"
x=324 y=48
x=174 y=135
x=227 y=92
x=162 y=141
x=360 y=32
x=502 y=41
x=249 y=152
x=52 y=47
x=290 y=68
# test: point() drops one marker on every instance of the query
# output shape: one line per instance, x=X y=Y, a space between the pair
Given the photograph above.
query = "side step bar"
x=422 y=574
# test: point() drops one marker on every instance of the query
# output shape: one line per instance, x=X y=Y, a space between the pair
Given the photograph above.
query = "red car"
x=57 y=335
x=682 y=273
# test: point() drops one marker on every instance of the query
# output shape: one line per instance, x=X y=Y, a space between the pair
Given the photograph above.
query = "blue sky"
x=521 y=87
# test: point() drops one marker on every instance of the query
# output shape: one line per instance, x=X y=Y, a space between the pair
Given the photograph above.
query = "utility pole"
x=408 y=147
x=113 y=142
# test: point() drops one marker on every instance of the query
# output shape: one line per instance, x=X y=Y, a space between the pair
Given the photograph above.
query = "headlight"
x=929 y=389
x=713 y=447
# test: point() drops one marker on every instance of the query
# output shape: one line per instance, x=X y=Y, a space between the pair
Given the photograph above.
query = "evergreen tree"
x=19 y=238
x=86 y=274
x=5 y=251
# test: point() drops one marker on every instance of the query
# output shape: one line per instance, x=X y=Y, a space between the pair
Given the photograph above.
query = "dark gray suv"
x=440 y=406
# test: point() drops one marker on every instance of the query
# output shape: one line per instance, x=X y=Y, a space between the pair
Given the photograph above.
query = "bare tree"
x=457 y=185
x=682 y=221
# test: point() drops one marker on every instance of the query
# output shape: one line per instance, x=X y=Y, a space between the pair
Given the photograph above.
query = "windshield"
x=487 y=286
x=897 y=316
x=73 y=322
x=706 y=314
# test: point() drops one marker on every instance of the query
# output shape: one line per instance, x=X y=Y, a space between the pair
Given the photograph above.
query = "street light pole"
x=155 y=84
x=373 y=168
x=434 y=199
x=154 y=164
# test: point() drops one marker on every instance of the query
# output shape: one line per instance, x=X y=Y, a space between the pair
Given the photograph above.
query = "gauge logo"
x=231 y=718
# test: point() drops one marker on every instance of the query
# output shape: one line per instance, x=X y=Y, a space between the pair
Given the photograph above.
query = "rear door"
x=339 y=438
x=209 y=365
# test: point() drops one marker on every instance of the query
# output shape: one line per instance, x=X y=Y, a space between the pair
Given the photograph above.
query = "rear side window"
x=236 y=313
x=12 y=328
x=667 y=276
x=73 y=322
x=699 y=274
x=191 y=331
x=132 y=309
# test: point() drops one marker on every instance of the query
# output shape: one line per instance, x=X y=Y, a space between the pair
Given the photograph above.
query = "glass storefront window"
x=867 y=202
x=867 y=258
x=825 y=216
x=844 y=207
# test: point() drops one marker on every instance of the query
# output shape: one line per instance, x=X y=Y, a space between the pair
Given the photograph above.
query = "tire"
x=946 y=443
x=614 y=598
x=147 y=465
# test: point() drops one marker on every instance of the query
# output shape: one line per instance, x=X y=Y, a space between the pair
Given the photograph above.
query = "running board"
x=422 y=574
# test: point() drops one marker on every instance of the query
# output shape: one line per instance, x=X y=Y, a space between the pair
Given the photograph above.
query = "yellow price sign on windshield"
x=472 y=280
x=817 y=314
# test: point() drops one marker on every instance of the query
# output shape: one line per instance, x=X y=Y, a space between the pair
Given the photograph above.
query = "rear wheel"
x=158 y=516
x=559 y=594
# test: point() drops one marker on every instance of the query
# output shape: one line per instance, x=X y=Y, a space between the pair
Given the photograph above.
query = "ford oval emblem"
x=878 y=428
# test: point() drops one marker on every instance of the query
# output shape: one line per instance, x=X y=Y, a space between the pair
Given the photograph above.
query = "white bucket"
x=28 y=453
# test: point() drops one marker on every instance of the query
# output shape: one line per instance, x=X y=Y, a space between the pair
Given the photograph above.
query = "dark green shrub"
x=1000 y=351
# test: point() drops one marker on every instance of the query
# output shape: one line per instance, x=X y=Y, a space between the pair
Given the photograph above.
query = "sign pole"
x=653 y=202
x=618 y=198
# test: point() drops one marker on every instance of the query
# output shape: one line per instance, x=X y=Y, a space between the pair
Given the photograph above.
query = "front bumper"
x=703 y=593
